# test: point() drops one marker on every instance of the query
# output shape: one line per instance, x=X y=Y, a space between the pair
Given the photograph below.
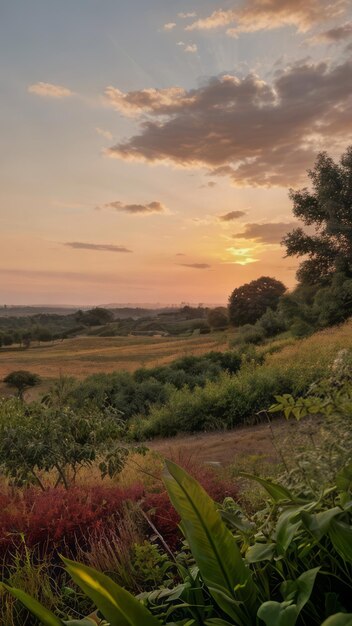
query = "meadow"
x=82 y=356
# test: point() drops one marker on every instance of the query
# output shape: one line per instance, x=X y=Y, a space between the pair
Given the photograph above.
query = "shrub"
x=60 y=517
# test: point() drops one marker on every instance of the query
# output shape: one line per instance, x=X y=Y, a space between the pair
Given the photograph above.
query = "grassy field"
x=82 y=356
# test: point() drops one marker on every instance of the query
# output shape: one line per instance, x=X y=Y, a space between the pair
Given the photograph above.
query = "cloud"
x=180 y=254
x=256 y=132
x=233 y=215
x=152 y=101
x=136 y=209
x=270 y=233
x=334 y=35
x=184 y=16
x=196 y=266
x=104 y=133
x=49 y=90
x=254 y=15
x=192 y=47
x=96 y=246
x=169 y=25
x=208 y=185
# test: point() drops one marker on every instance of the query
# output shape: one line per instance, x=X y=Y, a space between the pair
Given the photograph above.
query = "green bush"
x=228 y=402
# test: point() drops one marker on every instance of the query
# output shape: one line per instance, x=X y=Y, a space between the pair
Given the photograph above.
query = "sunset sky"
x=147 y=146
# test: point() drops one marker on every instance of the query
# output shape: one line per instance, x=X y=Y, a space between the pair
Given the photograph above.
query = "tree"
x=39 y=442
x=95 y=317
x=21 y=380
x=327 y=208
x=249 y=302
x=217 y=318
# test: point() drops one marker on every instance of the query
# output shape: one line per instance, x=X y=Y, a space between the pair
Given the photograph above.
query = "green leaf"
x=319 y=523
x=278 y=614
x=260 y=552
x=45 y=616
x=304 y=585
x=276 y=492
x=341 y=536
x=339 y=619
x=213 y=546
x=117 y=605
x=286 y=529
x=344 y=479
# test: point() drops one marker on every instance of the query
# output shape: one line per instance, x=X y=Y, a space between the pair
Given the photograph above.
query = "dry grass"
x=82 y=356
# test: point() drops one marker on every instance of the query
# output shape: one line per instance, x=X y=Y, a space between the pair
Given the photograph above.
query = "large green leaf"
x=45 y=616
x=213 y=547
x=318 y=523
x=275 y=491
x=260 y=552
x=301 y=588
x=296 y=595
x=340 y=619
x=278 y=614
x=341 y=536
x=117 y=605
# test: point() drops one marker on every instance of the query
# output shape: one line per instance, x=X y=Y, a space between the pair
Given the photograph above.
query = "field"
x=82 y=356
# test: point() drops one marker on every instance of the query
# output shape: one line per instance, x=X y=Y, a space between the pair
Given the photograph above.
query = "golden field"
x=82 y=356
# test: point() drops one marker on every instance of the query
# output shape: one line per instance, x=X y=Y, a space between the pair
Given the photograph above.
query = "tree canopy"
x=250 y=301
x=217 y=318
x=327 y=209
x=21 y=380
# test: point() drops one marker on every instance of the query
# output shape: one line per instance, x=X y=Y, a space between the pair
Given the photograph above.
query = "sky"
x=148 y=147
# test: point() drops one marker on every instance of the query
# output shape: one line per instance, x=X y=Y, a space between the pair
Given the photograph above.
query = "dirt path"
x=225 y=447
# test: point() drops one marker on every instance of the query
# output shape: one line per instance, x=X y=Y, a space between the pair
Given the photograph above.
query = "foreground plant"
x=271 y=580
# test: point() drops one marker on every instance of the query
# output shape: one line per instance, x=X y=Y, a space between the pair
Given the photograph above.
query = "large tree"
x=326 y=208
x=249 y=302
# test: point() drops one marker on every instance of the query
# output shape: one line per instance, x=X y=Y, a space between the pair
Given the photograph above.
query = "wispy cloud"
x=49 y=90
x=269 y=233
x=255 y=15
x=104 y=133
x=98 y=247
x=196 y=266
x=169 y=26
x=191 y=47
x=137 y=209
x=185 y=16
x=233 y=215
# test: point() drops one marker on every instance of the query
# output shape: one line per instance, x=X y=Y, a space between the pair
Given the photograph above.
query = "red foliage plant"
x=59 y=520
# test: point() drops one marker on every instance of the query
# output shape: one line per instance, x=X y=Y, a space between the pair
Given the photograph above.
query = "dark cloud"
x=255 y=132
x=209 y=185
x=135 y=209
x=335 y=35
x=196 y=266
x=266 y=233
x=233 y=215
x=254 y=15
x=99 y=247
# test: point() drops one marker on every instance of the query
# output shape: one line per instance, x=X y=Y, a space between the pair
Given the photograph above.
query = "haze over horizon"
x=148 y=147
